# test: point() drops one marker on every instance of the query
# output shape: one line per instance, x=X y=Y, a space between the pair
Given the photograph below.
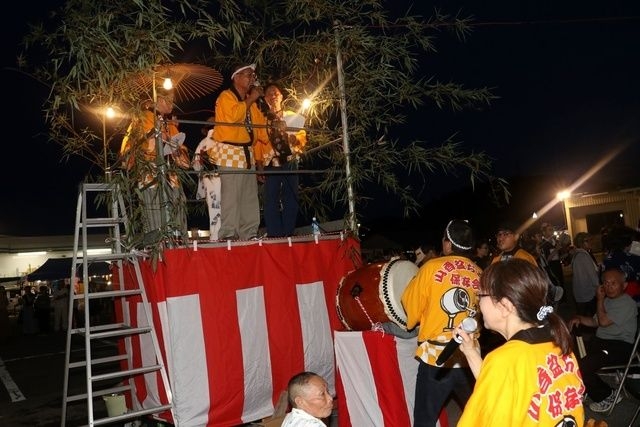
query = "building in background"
x=590 y=213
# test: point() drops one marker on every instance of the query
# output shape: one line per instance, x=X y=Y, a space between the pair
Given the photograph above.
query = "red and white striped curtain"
x=376 y=380
x=236 y=323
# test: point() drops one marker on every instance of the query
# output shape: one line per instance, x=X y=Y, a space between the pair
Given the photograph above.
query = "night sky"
x=567 y=74
x=566 y=77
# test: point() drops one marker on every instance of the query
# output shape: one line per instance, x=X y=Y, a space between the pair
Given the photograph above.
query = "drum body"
x=373 y=293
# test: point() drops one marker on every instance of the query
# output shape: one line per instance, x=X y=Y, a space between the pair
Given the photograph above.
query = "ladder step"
x=101 y=222
x=126 y=373
x=125 y=330
x=98 y=393
x=97 y=186
x=118 y=379
x=131 y=414
x=101 y=360
x=108 y=294
x=97 y=328
x=109 y=257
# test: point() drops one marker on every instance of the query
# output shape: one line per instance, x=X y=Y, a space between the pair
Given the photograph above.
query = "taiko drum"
x=372 y=294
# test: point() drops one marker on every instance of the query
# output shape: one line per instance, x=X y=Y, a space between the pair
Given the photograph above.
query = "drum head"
x=395 y=277
x=358 y=301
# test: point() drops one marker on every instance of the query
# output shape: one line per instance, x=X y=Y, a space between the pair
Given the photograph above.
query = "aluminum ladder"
x=118 y=366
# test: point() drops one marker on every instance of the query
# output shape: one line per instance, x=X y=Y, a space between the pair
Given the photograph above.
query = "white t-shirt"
x=299 y=418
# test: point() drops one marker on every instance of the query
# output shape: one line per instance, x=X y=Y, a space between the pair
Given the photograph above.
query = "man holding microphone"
x=236 y=113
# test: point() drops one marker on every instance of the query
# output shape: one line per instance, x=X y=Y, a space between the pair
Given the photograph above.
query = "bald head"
x=310 y=393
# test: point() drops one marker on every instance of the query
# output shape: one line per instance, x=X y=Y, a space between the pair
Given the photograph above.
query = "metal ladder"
x=118 y=366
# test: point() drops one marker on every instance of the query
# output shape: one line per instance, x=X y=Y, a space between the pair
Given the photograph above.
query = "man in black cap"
x=507 y=241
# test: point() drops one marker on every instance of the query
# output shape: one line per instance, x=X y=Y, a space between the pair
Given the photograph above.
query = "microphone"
x=263 y=106
x=469 y=325
x=261 y=102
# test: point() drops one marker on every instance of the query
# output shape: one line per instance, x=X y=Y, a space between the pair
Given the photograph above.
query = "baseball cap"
x=507 y=226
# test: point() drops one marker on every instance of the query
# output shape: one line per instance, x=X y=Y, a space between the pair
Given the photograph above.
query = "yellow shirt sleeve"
x=230 y=110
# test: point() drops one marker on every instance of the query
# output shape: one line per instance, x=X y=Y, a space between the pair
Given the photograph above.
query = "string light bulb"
x=167 y=84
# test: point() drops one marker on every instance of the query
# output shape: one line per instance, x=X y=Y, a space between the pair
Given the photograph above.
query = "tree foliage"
x=87 y=52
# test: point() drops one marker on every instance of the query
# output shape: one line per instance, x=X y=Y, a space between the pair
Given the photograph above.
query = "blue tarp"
x=60 y=268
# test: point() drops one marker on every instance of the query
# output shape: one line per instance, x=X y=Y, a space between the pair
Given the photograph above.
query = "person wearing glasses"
x=236 y=113
x=138 y=154
x=507 y=241
x=534 y=378
x=280 y=153
x=440 y=296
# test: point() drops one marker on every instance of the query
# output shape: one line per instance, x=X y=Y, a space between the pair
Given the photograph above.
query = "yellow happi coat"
x=526 y=384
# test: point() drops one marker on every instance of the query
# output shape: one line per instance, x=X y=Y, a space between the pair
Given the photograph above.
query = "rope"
x=375 y=326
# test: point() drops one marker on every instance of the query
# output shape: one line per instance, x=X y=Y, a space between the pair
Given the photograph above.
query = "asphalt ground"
x=32 y=369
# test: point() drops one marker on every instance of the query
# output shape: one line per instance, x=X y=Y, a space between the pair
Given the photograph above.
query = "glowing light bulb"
x=167 y=84
x=110 y=113
x=306 y=104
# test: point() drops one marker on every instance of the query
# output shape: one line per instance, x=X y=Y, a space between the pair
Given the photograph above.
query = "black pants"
x=433 y=386
x=601 y=353
x=557 y=272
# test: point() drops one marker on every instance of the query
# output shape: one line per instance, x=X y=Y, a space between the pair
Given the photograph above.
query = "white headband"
x=252 y=66
x=453 y=242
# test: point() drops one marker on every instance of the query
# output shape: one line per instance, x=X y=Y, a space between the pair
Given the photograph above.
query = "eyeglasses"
x=483 y=295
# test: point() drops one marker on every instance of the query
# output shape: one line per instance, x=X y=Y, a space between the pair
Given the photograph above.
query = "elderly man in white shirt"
x=310 y=401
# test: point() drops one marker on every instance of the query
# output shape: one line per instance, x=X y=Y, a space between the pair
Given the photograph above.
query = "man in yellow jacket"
x=441 y=295
x=234 y=135
x=139 y=156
